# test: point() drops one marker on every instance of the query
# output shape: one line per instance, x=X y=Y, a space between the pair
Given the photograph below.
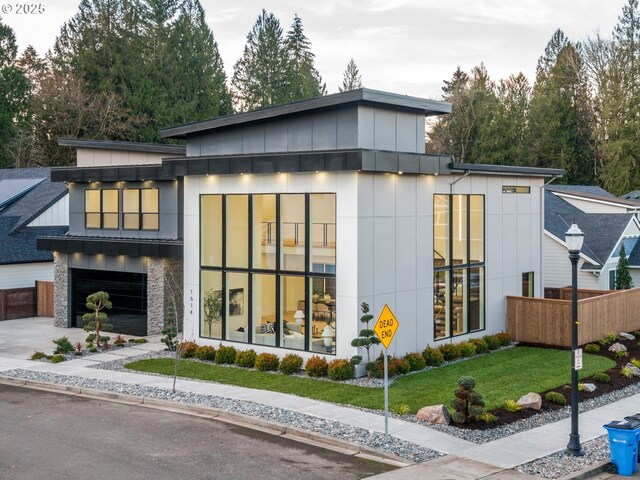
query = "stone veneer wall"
x=60 y=290
x=164 y=280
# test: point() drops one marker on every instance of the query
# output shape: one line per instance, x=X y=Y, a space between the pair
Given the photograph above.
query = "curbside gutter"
x=293 y=433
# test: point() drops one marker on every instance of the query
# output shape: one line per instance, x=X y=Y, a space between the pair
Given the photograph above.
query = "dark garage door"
x=127 y=292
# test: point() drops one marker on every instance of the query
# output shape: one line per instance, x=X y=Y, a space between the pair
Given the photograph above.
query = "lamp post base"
x=574 y=448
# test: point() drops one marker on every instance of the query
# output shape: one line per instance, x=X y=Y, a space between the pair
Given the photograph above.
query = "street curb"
x=587 y=472
x=253 y=423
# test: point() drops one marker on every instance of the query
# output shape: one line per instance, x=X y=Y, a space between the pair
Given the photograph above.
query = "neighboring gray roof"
x=591 y=193
x=127 y=146
x=17 y=241
x=634 y=196
x=602 y=231
x=362 y=95
x=507 y=169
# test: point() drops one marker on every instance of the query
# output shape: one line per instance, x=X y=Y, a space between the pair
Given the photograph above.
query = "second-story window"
x=101 y=209
x=140 y=209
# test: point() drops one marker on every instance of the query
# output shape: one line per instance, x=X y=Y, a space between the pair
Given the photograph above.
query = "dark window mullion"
x=250 y=265
x=224 y=267
x=307 y=261
x=450 y=269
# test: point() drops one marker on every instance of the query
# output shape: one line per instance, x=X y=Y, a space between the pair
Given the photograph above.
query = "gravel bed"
x=560 y=464
x=353 y=435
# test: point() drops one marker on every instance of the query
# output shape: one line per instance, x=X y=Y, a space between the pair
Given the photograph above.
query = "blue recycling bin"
x=635 y=418
x=623 y=445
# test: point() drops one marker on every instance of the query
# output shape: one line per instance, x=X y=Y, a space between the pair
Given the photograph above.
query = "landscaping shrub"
x=317 y=366
x=450 y=351
x=481 y=345
x=376 y=369
x=400 y=365
x=608 y=340
x=555 y=397
x=205 y=352
x=38 y=355
x=635 y=362
x=267 y=362
x=290 y=363
x=432 y=357
x=187 y=349
x=401 y=409
x=137 y=340
x=592 y=348
x=57 y=358
x=512 y=406
x=119 y=340
x=63 y=345
x=246 y=358
x=340 y=369
x=622 y=354
x=582 y=387
x=467 y=404
x=225 y=354
x=415 y=360
x=636 y=333
x=487 y=417
x=602 y=377
x=467 y=349
x=626 y=372
x=504 y=338
x=492 y=342
x=93 y=349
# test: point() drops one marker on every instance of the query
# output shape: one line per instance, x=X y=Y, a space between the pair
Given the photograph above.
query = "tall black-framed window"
x=268 y=269
x=458 y=264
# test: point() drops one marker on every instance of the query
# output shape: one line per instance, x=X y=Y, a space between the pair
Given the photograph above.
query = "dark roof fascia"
x=124 y=146
x=508 y=170
x=130 y=247
x=363 y=95
x=307 y=162
x=123 y=173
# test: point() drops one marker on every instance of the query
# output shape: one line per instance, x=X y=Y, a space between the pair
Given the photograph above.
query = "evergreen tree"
x=260 y=76
x=14 y=93
x=304 y=80
x=351 y=79
x=623 y=277
x=560 y=120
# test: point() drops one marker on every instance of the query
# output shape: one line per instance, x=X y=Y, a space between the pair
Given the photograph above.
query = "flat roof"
x=508 y=170
x=362 y=95
x=125 y=146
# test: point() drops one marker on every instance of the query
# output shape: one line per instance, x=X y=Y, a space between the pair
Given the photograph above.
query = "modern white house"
x=607 y=222
x=290 y=217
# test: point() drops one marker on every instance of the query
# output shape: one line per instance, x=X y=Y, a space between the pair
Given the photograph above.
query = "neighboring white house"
x=284 y=220
x=607 y=221
x=30 y=206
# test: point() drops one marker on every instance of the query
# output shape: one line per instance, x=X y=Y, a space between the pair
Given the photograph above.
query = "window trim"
x=101 y=211
x=140 y=213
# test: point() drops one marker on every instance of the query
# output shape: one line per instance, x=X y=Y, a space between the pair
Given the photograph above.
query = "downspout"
x=466 y=172
x=553 y=179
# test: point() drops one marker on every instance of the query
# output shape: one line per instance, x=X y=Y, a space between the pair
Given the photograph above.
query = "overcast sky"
x=401 y=46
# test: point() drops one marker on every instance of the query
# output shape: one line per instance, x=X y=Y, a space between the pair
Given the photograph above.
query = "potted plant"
x=365 y=339
x=212 y=306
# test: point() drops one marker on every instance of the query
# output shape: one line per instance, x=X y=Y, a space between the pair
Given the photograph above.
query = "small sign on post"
x=577 y=359
x=385 y=329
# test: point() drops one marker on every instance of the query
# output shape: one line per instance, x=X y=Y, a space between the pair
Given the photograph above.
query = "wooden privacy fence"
x=44 y=296
x=17 y=303
x=548 y=321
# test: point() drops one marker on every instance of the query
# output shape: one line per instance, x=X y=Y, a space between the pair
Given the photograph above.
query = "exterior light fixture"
x=573 y=239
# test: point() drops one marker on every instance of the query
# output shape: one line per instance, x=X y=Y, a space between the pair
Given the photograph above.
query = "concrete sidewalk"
x=499 y=455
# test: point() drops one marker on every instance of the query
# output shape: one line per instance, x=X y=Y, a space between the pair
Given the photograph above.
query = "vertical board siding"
x=44 y=298
x=548 y=321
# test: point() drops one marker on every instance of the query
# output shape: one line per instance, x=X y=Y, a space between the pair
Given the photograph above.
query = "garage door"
x=127 y=291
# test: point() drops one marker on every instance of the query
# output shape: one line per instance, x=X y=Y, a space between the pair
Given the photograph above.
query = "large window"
x=268 y=269
x=458 y=263
x=140 y=209
x=101 y=208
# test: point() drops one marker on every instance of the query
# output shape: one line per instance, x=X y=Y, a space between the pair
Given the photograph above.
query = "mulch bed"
x=617 y=382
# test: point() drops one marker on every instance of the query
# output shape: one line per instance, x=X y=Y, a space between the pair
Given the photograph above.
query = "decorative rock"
x=434 y=414
x=530 y=400
x=617 y=347
x=635 y=371
x=628 y=336
x=589 y=387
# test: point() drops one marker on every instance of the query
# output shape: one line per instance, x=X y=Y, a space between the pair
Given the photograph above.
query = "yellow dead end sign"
x=386 y=326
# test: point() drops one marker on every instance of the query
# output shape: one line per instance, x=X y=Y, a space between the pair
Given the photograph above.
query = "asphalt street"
x=57 y=436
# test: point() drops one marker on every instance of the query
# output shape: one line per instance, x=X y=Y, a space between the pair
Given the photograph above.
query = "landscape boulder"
x=617 y=347
x=434 y=414
x=635 y=371
x=627 y=336
x=530 y=400
x=589 y=387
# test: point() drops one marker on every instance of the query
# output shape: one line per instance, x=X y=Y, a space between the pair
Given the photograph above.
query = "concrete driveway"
x=20 y=338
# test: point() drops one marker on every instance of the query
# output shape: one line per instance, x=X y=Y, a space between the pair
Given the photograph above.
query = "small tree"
x=366 y=337
x=467 y=404
x=212 y=306
x=170 y=330
x=97 y=320
x=351 y=79
x=623 y=277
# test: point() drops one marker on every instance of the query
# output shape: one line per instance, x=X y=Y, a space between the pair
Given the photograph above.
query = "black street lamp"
x=573 y=239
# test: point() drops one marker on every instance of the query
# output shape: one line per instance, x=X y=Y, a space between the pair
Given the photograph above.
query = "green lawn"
x=500 y=376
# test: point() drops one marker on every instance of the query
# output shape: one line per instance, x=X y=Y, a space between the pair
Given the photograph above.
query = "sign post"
x=385 y=329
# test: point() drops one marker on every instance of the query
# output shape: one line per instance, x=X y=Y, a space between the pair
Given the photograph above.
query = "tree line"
x=121 y=70
x=582 y=112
